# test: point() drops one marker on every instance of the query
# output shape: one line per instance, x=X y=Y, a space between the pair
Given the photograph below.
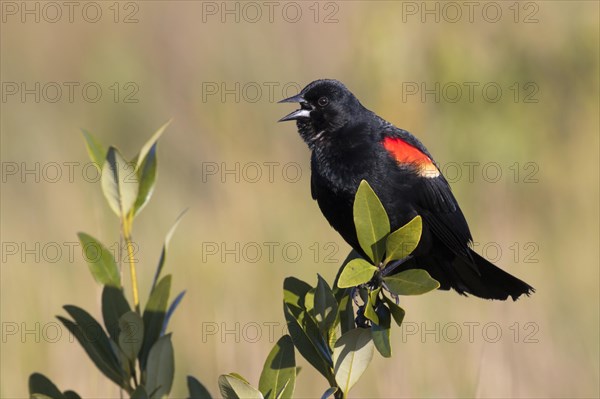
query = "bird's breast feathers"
x=405 y=153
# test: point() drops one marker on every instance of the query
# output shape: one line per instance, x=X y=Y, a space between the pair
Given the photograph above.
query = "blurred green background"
x=539 y=219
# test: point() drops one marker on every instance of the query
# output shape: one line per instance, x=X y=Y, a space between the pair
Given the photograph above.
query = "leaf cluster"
x=131 y=348
x=321 y=320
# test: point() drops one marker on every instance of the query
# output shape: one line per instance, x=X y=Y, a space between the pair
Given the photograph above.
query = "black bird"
x=350 y=143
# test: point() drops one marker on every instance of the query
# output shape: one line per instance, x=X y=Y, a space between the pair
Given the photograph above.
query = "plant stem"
x=126 y=222
x=332 y=383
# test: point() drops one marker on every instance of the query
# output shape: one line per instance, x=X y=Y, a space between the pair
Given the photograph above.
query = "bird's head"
x=326 y=106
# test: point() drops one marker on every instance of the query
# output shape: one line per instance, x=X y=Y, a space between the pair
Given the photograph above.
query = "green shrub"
x=134 y=351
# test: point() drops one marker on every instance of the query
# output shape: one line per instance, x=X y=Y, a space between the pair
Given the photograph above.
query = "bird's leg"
x=361 y=321
x=354 y=295
x=392 y=266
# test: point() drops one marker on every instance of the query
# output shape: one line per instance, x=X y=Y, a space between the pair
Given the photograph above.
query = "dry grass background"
x=171 y=55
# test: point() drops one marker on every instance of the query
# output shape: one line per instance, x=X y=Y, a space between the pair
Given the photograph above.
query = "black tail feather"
x=485 y=281
x=492 y=283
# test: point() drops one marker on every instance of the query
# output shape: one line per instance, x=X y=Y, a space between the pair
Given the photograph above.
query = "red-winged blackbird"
x=349 y=143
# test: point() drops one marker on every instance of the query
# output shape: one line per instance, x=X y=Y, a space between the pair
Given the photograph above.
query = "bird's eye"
x=323 y=101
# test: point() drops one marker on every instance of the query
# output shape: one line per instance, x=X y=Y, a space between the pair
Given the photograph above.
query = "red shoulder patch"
x=406 y=153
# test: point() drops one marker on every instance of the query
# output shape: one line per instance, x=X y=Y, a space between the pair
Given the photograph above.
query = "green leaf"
x=239 y=377
x=120 y=184
x=325 y=306
x=160 y=368
x=329 y=393
x=363 y=293
x=303 y=329
x=370 y=306
x=294 y=291
x=124 y=363
x=308 y=340
x=196 y=389
x=357 y=271
x=278 y=377
x=146 y=164
x=411 y=282
x=309 y=302
x=233 y=387
x=397 y=312
x=352 y=354
x=95 y=342
x=346 y=312
x=380 y=332
x=131 y=336
x=41 y=385
x=170 y=311
x=140 y=393
x=163 y=254
x=95 y=150
x=154 y=316
x=71 y=395
x=371 y=222
x=282 y=390
x=403 y=241
x=114 y=305
x=146 y=175
x=100 y=261
x=147 y=147
x=342 y=296
x=336 y=290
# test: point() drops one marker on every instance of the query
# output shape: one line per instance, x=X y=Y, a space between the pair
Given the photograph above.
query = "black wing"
x=437 y=203
x=442 y=213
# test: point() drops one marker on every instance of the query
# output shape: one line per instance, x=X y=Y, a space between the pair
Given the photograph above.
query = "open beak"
x=303 y=112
